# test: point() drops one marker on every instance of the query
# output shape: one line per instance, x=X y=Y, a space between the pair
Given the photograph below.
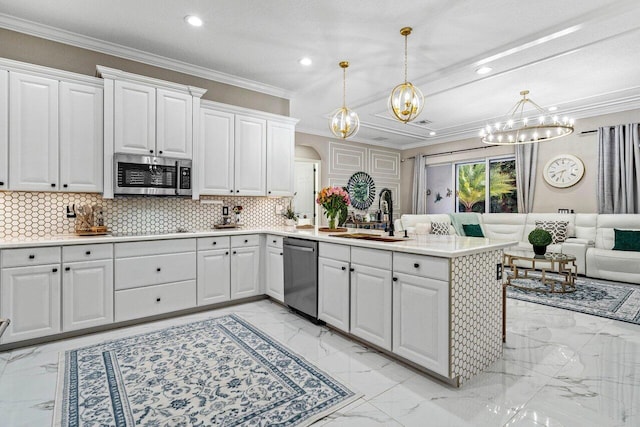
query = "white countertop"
x=441 y=246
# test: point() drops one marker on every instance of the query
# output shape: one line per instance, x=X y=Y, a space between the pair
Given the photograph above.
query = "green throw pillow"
x=627 y=240
x=472 y=230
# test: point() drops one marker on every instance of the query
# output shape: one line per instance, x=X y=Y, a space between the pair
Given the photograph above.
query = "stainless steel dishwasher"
x=301 y=276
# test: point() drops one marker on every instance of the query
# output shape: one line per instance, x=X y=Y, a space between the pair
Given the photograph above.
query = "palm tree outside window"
x=472 y=192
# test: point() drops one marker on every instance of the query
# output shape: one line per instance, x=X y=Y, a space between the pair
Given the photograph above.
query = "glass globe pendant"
x=406 y=100
x=344 y=123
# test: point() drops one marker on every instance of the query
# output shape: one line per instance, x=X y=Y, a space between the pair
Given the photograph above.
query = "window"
x=472 y=192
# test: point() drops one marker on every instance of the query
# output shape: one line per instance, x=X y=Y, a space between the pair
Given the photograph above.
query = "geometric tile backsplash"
x=31 y=214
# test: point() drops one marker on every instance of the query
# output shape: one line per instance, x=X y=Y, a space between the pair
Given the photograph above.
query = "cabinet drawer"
x=158 y=299
x=333 y=251
x=154 y=247
x=152 y=270
x=249 y=240
x=206 y=243
x=371 y=257
x=30 y=256
x=421 y=265
x=274 y=241
x=87 y=252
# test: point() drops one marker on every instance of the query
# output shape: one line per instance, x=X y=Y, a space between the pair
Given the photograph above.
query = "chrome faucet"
x=385 y=195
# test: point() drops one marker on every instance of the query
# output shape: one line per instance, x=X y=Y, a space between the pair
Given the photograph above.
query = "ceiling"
x=581 y=56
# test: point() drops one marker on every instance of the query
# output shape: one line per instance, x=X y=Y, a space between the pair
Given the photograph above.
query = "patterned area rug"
x=602 y=298
x=222 y=372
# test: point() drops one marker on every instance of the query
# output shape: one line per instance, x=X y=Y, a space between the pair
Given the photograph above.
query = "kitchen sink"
x=369 y=236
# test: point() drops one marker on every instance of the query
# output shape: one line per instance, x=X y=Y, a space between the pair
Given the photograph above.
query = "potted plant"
x=540 y=239
x=290 y=216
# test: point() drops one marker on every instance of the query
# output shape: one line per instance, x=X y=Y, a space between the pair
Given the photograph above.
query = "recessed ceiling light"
x=432 y=133
x=193 y=20
x=553 y=108
x=306 y=61
x=484 y=70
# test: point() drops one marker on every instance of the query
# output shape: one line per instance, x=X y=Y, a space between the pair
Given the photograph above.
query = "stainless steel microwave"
x=151 y=176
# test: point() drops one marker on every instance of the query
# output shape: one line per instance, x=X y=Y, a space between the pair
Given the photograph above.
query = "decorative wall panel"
x=384 y=163
x=346 y=159
x=31 y=214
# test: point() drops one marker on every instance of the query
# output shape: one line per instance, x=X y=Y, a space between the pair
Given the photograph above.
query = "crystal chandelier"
x=517 y=129
x=344 y=123
x=406 y=100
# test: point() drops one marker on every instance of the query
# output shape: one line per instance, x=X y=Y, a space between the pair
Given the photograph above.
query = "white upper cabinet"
x=4 y=129
x=33 y=132
x=174 y=137
x=250 y=155
x=134 y=118
x=215 y=162
x=81 y=137
x=280 y=158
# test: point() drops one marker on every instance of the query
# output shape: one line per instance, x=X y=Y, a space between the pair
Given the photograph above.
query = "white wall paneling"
x=383 y=163
x=346 y=159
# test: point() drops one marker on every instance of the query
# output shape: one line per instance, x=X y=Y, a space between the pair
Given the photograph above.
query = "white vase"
x=289 y=222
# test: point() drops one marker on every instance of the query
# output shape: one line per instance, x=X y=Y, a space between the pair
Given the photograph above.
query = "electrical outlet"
x=499 y=271
x=71 y=211
x=279 y=209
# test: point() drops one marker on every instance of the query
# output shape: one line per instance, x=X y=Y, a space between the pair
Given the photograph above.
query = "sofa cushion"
x=606 y=223
x=557 y=229
x=504 y=226
x=458 y=219
x=472 y=230
x=440 y=228
x=532 y=218
x=423 y=228
x=623 y=266
x=626 y=240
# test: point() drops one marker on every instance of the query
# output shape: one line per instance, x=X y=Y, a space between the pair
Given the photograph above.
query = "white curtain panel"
x=419 y=188
x=526 y=160
x=619 y=169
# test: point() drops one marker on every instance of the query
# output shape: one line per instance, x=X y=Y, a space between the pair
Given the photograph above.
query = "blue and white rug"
x=602 y=298
x=222 y=372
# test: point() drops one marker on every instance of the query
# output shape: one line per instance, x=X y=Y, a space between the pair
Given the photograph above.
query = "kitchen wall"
x=35 y=214
x=581 y=197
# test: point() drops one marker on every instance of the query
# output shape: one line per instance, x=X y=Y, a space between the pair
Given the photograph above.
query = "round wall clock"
x=563 y=171
x=361 y=190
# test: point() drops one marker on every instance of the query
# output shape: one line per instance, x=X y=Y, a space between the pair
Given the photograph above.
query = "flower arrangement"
x=289 y=213
x=333 y=200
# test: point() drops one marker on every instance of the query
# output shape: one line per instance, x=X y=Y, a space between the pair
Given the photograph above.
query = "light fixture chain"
x=405 y=58
x=344 y=87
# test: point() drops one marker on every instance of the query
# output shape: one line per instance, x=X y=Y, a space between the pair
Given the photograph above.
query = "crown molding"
x=234 y=109
x=112 y=73
x=90 y=43
x=39 y=70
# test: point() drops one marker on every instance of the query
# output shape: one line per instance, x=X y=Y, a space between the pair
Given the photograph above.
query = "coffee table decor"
x=558 y=271
x=221 y=371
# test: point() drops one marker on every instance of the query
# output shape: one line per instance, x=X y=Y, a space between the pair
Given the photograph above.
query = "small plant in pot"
x=290 y=216
x=540 y=239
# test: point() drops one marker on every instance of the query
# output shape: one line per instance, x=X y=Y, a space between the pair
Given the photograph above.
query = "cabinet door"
x=333 y=292
x=245 y=272
x=250 y=156
x=81 y=134
x=174 y=136
x=421 y=321
x=33 y=133
x=30 y=297
x=216 y=155
x=275 y=273
x=134 y=118
x=87 y=294
x=4 y=129
x=371 y=305
x=280 y=159
x=214 y=277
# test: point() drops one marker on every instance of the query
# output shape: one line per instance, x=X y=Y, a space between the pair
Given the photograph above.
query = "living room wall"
x=581 y=197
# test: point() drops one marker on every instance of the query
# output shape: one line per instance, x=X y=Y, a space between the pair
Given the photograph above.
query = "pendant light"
x=406 y=100
x=344 y=123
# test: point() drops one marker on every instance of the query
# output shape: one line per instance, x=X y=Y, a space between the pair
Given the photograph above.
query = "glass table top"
x=549 y=256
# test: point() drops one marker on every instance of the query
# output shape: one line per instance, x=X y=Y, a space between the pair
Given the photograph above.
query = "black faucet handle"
x=406 y=236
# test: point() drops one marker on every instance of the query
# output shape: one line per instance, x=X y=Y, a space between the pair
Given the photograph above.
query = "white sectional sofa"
x=590 y=238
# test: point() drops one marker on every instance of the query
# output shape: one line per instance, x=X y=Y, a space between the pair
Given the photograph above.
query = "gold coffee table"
x=562 y=266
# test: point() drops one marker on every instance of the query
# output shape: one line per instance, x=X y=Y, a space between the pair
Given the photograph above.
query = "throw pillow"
x=423 y=228
x=472 y=230
x=627 y=240
x=440 y=228
x=557 y=229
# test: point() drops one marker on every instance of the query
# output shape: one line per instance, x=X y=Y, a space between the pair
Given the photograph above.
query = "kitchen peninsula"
x=434 y=302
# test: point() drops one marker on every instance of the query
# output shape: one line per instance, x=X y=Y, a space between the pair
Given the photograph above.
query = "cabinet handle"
x=234 y=252
x=237 y=191
x=215 y=243
x=67 y=268
x=158 y=269
x=269 y=192
x=274 y=241
x=230 y=191
x=344 y=268
x=151 y=151
x=88 y=253
x=160 y=152
x=246 y=241
x=352 y=269
x=32 y=256
x=416 y=265
x=157 y=299
x=226 y=253
x=280 y=253
x=53 y=184
x=65 y=185
x=55 y=270
x=395 y=279
x=1 y=182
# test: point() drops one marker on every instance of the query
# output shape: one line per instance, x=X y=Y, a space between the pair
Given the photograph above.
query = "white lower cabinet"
x=151 y=300
x=245 y=272
x=421 y=321
x=30 y=297
x=333 y=292
x=274 y=266
x=214 y=276
x=87 y=294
